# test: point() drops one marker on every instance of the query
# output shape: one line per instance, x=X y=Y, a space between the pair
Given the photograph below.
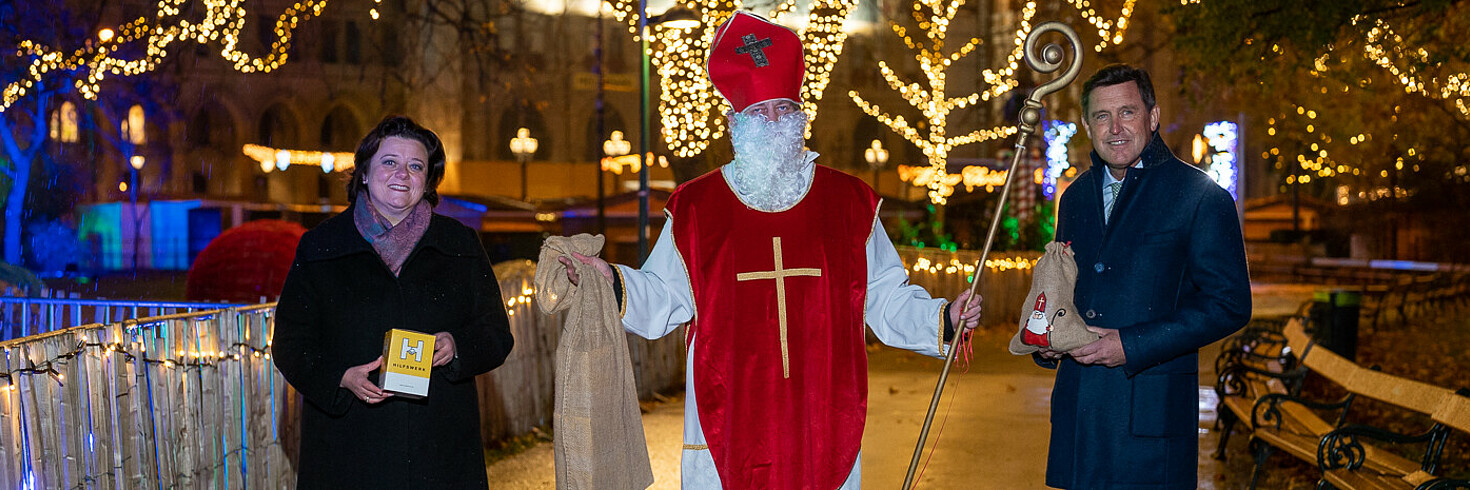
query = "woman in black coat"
x=389 y=262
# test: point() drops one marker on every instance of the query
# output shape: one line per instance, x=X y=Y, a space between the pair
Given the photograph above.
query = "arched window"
x=276 y=129
x=134 y=127
x=340 y=131
x=611 y=121
x=64 y=124
x=211 y=126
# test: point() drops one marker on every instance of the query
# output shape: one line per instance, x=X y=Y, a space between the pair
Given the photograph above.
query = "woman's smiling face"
x=395 y=180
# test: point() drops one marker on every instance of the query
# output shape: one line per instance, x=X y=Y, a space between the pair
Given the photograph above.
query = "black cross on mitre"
x=755 y=48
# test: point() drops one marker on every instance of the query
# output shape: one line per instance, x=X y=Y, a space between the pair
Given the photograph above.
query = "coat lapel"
x=1154 y=154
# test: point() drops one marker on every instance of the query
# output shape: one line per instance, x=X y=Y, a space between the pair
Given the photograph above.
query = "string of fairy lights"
x=222 y=22
x=934 y=18
x=688 y=103
x=1405 y=66
x=956 y=266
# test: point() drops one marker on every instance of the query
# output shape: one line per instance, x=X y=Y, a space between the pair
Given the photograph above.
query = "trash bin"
x=1334 y=321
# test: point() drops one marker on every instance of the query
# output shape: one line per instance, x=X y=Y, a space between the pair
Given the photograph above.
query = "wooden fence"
x=182 y=401
x=1004 y=284
x=22 y=316
x=192 y=400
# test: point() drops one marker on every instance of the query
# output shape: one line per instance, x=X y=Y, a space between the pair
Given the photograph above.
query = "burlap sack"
x=1048 y=318
x=599 y=428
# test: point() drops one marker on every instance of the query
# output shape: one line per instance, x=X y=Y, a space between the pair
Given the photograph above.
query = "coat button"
x=1091 y=314
x=1099 y=267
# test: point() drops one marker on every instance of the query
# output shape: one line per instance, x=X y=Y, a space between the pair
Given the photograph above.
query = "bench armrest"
x=1267 y=409
x=1341 y=447
x=1232 y=379
x=1444 y=484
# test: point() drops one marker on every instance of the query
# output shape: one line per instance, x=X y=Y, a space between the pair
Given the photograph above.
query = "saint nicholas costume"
x=776 y=300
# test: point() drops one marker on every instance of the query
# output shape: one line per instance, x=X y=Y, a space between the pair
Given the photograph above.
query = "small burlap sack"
x=1048 y=318
x=599 y=429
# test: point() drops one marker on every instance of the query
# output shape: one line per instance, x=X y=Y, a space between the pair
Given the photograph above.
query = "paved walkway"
x=994 y=435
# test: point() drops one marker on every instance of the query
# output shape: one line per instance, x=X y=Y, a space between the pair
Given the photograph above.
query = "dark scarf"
x=393 y=243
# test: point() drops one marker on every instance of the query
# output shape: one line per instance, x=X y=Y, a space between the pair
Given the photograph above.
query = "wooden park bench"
x=1259 y=386
x=1356 y=456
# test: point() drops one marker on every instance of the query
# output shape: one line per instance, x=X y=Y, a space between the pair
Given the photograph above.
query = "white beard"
x=772 y=169
x=1037 y=324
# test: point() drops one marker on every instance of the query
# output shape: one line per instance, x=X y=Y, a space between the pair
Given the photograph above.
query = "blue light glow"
x=1223 y=165
x=1057 y=133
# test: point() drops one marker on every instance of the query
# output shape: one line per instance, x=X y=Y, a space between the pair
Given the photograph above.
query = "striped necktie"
x=1113 y=190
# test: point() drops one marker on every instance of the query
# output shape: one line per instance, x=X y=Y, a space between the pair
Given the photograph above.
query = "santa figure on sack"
x=776 y=263
x=1037 y=328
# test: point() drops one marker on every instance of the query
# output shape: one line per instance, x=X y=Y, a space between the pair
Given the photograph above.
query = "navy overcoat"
x=1168 y=271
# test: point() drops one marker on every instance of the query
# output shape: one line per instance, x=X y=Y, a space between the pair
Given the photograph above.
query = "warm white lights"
x=272 y=158
x=222 y=21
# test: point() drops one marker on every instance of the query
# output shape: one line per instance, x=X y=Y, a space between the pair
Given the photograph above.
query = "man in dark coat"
x=1161 y=273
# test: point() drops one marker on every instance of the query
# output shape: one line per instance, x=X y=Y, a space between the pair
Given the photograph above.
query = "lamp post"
x=876 y=157
x=614 y=146
x=523 y=146
x=136 y=162
x=675 y=18
x=601 y=120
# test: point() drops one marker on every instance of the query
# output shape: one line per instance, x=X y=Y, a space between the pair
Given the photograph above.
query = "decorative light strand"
x=1221 y=136
x=934 y=16
x=276 y=158
x=1454 y=86
x=688 y=104
x=1057 y=134
x=223 y=20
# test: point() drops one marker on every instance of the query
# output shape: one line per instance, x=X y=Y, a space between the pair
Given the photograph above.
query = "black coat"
x=1169 y=272
x=338 y=301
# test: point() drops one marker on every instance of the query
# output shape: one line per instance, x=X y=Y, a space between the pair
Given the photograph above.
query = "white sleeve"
x=902 y=315
x=657 y=298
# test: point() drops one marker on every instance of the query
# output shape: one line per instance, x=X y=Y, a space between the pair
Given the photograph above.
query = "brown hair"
x=1115 y=74
x=403 y=127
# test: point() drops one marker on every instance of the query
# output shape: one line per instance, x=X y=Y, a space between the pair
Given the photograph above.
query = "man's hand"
x=355 y=380
x=1106 y=351
x=1051 y=355
x=600 y=264
x=969 y=316
x=444 y=349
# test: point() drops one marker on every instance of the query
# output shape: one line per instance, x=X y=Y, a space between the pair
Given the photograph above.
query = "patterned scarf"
x=393 y=243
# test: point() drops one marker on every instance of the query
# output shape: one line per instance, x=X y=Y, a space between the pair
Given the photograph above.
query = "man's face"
x=772 y=109
x=1119 y=124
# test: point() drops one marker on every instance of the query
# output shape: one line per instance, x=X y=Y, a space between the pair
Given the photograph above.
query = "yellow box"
x=407 y=357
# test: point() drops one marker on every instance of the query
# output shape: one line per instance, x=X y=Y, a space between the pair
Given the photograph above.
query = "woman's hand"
x=599 y=264
x=356 y=381
x=444 y=349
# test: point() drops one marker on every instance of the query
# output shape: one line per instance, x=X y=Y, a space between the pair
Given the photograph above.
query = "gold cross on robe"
x=780 y=274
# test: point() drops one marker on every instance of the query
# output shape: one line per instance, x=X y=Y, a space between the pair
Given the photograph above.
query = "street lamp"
x=136 y=162
x=876 y=157
x=677 y=18
x=523 y=146
x=614 y=146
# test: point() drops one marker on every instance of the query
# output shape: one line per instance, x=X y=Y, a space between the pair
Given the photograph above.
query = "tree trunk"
x=20 y=175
